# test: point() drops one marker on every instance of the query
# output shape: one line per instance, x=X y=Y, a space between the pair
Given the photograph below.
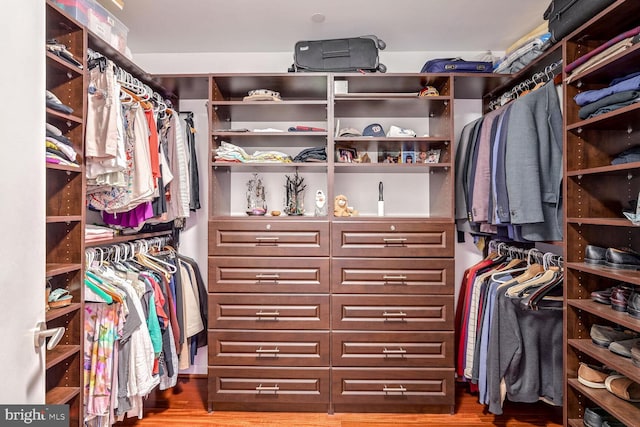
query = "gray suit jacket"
x=533 y=162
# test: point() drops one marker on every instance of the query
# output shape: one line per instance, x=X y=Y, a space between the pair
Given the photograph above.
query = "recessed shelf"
x=55 y=313
x=624 y=411
x=61 y=352
x=629 y=276
x=605 y=312
x=61 y=395
x=62 y=116
x=613 y=222
x=64 y=218
x=53 y=269
x=618 y=363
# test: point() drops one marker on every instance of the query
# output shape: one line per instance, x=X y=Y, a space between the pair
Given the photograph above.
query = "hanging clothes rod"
x=539 y=78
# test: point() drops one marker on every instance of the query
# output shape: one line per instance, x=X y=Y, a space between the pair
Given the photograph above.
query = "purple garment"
x=591 y=96
x=131 y=219
x=586 y=57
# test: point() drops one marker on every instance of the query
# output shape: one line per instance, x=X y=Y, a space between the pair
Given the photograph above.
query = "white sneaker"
x=398 y=132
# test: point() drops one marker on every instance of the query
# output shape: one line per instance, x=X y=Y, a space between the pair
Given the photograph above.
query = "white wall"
x=22 y=200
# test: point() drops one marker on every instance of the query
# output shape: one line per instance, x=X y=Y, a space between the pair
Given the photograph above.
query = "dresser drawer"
x=268 y=348
x=268 y=385
x=259 y=311
x=407 y=239
x=392 y=386
x=395 y=349
x=268 y=237
x=269 y=275
x=392 y=276
x=392 y=313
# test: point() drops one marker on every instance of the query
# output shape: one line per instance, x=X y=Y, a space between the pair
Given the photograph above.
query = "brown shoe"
x=623 y=387
x=592 y=376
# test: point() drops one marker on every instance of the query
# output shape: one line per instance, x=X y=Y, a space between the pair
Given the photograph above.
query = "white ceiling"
x=168 y=26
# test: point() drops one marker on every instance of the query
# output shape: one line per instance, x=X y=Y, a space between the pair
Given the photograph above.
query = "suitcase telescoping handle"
x=335 y=54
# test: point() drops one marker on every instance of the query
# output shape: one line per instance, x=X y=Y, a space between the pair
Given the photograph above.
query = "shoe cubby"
x=72 y=281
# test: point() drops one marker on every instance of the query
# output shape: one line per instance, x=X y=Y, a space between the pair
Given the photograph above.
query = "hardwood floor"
x=185 y=405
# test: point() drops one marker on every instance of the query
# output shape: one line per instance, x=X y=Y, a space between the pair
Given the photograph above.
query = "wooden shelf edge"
x=76 y=169
x=63 y=116
x=126 y=238
x=270 y=103
x=55 y=269
x=64 y=64
x=55 y=313
x=61 y=395
x=628 y=276
x=599 y=119
x=613 y=222
x=259 y=134
x=585 y=75
x=60 y=353
x=604 y=169
x=605 y=312
x=575 y=422
x=63 y=218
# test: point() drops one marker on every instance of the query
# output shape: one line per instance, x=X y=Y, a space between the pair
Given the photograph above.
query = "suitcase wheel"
x=382 y=68
x=381 y=45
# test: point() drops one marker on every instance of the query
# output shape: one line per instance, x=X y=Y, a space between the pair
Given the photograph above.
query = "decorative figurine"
x=294 y=204
x=256 y=201
x=341 y=208
x=321 y=204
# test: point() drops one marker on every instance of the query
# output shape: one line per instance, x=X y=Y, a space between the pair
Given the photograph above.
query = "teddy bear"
x=341 y=208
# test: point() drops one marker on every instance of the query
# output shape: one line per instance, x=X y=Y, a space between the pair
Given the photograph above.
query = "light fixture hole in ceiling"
x=318 y=17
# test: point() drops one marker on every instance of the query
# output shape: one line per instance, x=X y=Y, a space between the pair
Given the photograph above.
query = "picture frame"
x=433 y=156
x=408 y=157
x=389 y=156
x=346 y=154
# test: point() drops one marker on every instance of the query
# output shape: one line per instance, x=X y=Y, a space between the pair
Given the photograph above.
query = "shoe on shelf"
x=59 y=298
x=594 y=255
x=635 y=354
x=598 y=417
x=619 y=297
x=622 y=259
x=623 y=348
x=604 y=335
x=593 y=376
x=633 y=304
x=623 y=387
x=603 y=296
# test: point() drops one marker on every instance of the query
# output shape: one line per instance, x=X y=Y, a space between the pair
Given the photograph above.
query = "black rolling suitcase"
x=564 y=16
x=338 y=55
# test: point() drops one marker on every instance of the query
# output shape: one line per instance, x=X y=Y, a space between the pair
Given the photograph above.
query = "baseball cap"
x=349 y=132
x=262 y=95
x=373 y=129
x=395 y=131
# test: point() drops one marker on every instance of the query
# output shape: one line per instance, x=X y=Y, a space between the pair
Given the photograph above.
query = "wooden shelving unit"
x=596 y=192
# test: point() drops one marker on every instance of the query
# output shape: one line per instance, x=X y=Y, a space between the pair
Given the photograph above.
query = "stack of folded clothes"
x=314 y=154
x=230 y=153
x=59 y=148
x=61 y=51
x=54 y=103
x=524 y=51
x=96 y=233
x=620 y=93
x=602 y=53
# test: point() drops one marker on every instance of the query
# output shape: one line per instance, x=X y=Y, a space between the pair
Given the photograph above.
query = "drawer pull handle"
x=267 y=240
x=400 y=277
x=267 y=277
x=398 y=351
x=268 y=313
x=262 y=388
x=394 y=241
x=399 y=389
x=398 y=314
x=268 y=350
